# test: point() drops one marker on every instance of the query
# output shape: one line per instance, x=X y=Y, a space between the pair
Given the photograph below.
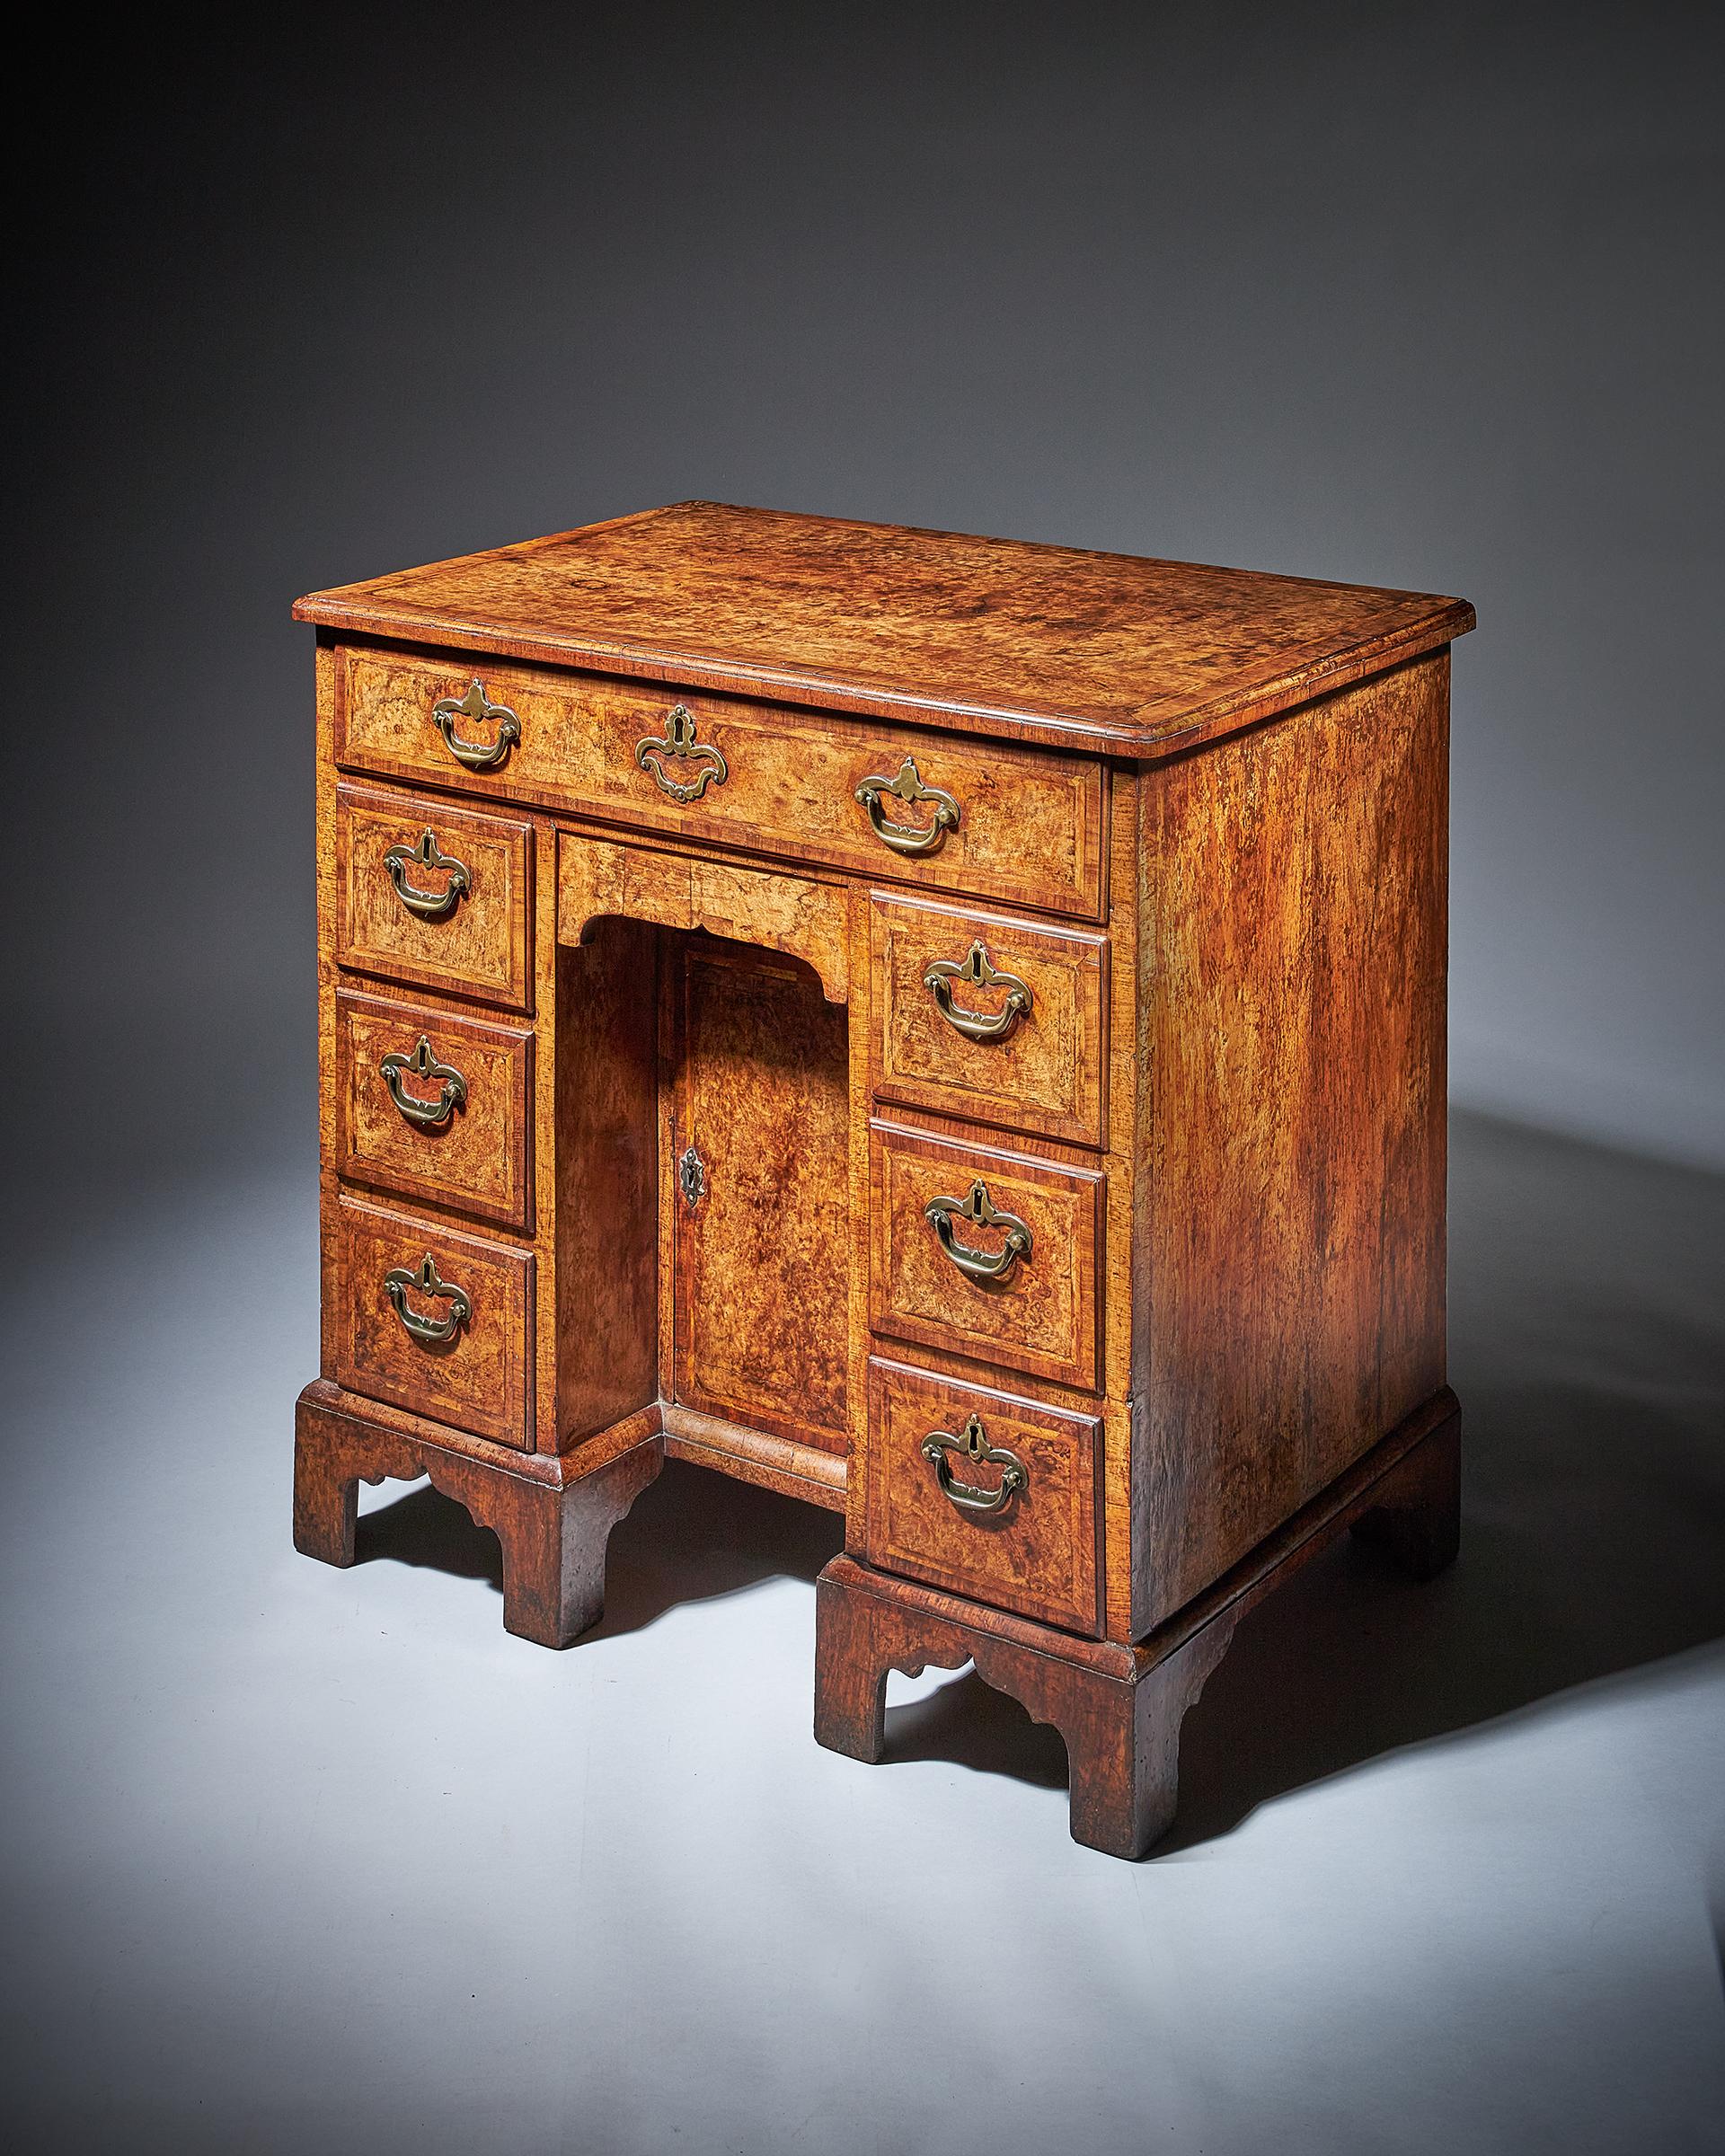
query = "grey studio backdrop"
x=1412 y=295
x=1415 y=296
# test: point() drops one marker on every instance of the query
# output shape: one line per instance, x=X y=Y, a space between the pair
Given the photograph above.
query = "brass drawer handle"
x=429 y=906
x=422 y=1064
x=979 y=1265
x=980 y=973
x=909 y=788
x=477 y=755
x=430 y=1333
x=972 y=1441
x=677 y=745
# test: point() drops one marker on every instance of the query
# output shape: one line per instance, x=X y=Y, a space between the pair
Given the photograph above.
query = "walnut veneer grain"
x=477 y=1378
x=1038 y=1552
x=1039 y=1318
x=762 y=1278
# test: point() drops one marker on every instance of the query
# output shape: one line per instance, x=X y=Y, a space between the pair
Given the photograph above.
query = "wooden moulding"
x=342 y=1439
x=779 y=1463
x=784 y=1464
x=1119 y=1708
x=1050 y=644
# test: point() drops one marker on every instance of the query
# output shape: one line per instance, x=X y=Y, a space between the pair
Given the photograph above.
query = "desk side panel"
x=1291 y=1270
x=327 y=893
x=604 y=1219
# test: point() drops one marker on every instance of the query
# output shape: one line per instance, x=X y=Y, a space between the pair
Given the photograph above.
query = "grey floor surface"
x=296 y=1859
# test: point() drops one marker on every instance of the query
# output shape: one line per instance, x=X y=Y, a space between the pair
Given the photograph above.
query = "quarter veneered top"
x=1040 y=643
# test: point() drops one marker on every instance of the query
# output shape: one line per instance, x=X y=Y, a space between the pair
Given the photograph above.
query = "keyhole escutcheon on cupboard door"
x=762 y=1263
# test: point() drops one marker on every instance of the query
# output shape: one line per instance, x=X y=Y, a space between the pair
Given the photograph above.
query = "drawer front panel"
x=429 y=893
x=434 y=1106
x=1037 y=1314
x=1035 y=1551
x=1007 y=1026
x=1023 y=825
x=477 y=1295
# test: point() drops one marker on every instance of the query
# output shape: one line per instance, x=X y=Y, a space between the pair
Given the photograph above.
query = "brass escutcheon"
x=692 y=1177
x=430 y=1333
x=973 y=1443
x=678 y=744
x=422 y=1064
x=979 y=971
x=477 y=755
x=429 y=906
x=909 y=788
x=974 y=1264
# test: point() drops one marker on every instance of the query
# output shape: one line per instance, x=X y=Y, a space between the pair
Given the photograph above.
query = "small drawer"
x=434 y=1106
x=431 y=894
x=988 y=1017
x=438 y=1323
x=984 y=1494
x=905 y=803
x=986 y=1254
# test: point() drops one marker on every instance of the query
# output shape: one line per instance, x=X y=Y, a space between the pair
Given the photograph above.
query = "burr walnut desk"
x=950 y=1031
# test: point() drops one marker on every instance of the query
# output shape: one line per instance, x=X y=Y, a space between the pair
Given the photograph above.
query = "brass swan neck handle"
x=429 y=905
x=477 y=755
x=677 y=748
x=976 y=1205
x=909 y=788
x=424 y=1279
x=424 y=1066
x=973 y=1443
x=979 y=971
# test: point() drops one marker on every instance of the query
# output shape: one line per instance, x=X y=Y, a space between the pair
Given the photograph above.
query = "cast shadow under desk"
x=1589 y=1331
x=1591 y=1531
x=693 y=1535
x=1573 y=1567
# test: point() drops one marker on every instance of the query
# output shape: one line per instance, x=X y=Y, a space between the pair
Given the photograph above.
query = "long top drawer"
x=903 y=803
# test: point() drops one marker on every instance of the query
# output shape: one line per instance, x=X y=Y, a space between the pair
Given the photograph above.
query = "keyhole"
x=691 y=1177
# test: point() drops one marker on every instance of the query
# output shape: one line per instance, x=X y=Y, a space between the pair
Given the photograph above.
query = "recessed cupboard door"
x=758 y=1152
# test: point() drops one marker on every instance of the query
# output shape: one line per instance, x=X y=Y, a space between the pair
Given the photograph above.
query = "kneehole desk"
x=948 y=1029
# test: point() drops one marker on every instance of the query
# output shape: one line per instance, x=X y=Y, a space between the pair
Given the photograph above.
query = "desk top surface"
x=995 y=636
